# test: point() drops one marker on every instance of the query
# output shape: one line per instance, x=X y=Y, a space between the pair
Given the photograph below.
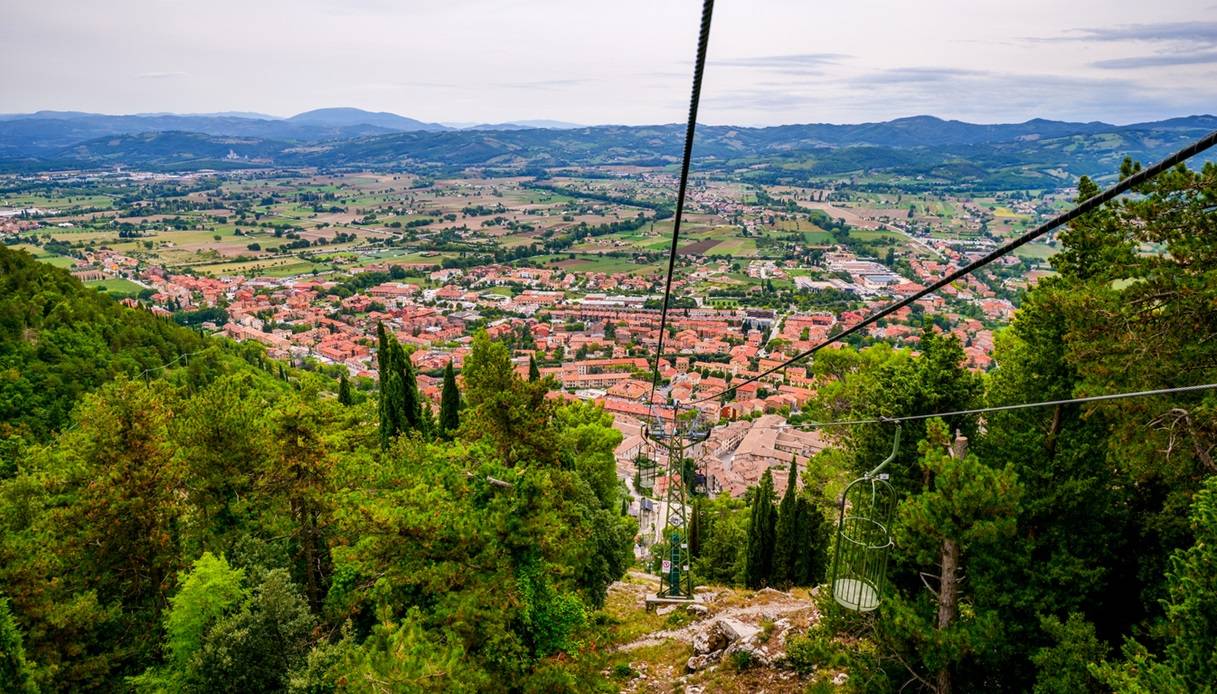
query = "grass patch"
x=116 y=287
x=1038 y=251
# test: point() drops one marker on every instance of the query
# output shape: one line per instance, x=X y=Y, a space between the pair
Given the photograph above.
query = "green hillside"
x=210 y=526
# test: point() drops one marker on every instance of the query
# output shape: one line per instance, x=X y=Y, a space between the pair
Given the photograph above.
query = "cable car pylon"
x=676 y=576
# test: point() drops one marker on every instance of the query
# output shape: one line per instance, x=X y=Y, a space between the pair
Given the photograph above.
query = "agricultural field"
x=617 y=220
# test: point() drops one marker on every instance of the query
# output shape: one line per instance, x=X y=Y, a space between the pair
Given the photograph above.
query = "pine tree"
x=534 y=374
x=786 y=540
x=449 y=405
x=16 y=674
x=967 y=507
x=1188 y=661
x=344 y=390
x=758 y=566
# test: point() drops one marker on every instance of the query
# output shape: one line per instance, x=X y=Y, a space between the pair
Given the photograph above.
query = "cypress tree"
x=811 y=554
x=449 y=405
x=411 y=401
x=758 y=564
x=390 y=358
x=428 y=423
x=383 y=359
x=786 y=540
x=534 y=374
x=344 y=390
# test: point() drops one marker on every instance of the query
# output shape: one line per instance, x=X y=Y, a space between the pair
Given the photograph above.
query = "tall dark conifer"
x=786 y=541
x=390 y=358
x=449 y=405
x=534 y=374
x=411 y=401
x=758 y=564
x=811 y=552
x=344 y=390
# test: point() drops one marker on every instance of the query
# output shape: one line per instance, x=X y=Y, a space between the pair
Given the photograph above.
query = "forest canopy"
x=211 y=526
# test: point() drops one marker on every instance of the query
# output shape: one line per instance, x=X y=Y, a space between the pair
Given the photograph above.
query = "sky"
x=625 y=61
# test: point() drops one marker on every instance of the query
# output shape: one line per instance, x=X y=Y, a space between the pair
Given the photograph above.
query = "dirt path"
x=686 y=633
x=776 y=605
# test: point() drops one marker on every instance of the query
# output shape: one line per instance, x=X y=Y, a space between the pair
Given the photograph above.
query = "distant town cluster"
x=566 y=268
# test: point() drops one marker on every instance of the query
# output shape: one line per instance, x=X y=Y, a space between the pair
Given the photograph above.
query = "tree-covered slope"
x=203 y=524
x=59 y=340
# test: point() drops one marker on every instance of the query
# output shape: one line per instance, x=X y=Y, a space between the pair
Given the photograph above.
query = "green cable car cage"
x=647 y=470
x=864 y=538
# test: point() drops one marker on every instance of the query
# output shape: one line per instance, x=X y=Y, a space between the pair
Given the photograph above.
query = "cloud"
x=805 y=59
x=761 y=100
x=389 y=86
x=1157 y=60
x=791 y=64
x=1190 y=33
x=549 y=85
x=949 y=92
x=921 y=75
x=161 y=75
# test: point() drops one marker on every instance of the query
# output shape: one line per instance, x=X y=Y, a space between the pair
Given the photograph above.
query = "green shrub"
x=741 y=660
x=815 y=649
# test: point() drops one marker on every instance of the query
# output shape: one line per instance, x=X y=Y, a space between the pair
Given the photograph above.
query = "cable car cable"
x=1084 y=207
x=703 y=42
x=1005 y=408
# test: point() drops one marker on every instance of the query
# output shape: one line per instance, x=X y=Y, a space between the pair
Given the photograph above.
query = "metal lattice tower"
x=675 y=577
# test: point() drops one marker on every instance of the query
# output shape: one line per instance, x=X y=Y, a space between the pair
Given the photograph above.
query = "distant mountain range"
x=43 y=132
x=1036 y=153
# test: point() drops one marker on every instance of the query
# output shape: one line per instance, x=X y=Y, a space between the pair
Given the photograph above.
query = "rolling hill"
x=348 y=117
x=1036 y=153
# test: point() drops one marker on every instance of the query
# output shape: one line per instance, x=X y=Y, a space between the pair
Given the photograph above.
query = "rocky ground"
x=726 y=641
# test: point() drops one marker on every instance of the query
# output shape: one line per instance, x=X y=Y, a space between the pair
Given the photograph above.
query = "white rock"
x=710 y=639
x=698 y=609
x=757 y=656
x=699 y=662
x=840 y=679
x=737 y=630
